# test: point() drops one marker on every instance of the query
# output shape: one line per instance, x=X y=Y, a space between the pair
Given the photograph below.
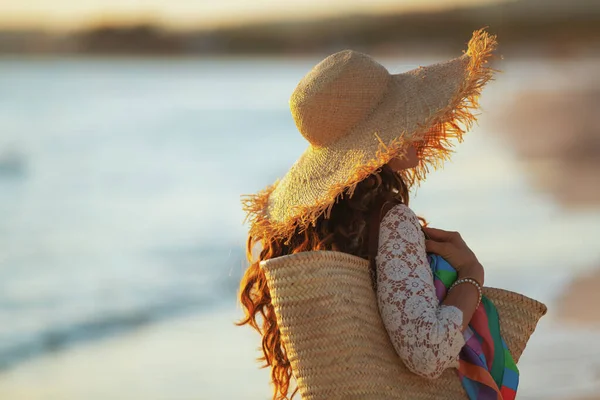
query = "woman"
x=372 y=136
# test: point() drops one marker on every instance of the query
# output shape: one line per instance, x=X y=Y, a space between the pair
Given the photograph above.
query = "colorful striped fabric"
x=486 y=367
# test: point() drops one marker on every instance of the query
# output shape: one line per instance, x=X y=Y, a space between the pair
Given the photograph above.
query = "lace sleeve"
x=427 y=336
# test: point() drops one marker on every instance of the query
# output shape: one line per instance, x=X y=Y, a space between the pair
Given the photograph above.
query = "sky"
x=184 y=14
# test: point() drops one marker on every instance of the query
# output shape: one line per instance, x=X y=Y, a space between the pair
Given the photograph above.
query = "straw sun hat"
x=335 y=339
x=357 y=116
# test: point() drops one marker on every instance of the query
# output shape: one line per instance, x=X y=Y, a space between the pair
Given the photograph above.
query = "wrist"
x=469 y=281
x=475 y=272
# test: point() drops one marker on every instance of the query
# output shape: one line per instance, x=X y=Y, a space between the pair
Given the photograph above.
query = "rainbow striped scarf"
x=486 y=368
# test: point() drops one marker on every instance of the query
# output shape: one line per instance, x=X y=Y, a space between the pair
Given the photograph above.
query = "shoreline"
x=169 y=361
x=162 y=361
x=565 y=166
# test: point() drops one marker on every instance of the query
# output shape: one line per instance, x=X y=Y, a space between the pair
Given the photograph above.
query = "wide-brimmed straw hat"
x=357 y=116
x=335 y=339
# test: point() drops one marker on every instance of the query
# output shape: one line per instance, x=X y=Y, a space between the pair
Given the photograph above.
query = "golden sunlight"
x=180 y=14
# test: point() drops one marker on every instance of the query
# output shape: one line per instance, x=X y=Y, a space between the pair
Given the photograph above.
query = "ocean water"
x=120 y=184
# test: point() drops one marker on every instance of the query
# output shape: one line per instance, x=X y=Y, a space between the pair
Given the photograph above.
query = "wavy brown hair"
x=346 y=230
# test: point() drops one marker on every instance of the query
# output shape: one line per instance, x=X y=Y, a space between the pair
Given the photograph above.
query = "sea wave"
x=184 y=294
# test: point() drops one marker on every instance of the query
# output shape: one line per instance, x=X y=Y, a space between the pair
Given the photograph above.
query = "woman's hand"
x=453 y=249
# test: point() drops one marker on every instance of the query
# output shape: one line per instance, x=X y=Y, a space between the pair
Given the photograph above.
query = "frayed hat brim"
x=429 y=107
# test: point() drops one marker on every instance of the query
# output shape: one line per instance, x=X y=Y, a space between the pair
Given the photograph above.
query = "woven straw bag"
x=336 y=341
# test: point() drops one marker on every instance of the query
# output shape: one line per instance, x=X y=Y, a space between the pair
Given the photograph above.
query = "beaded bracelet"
x=472 y=282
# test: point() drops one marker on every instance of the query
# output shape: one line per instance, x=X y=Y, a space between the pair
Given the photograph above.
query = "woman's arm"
x=427 y=336
x=453 y=249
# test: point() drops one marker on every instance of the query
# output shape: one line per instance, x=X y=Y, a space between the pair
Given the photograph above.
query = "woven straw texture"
x=356 y=116
x=335 y=339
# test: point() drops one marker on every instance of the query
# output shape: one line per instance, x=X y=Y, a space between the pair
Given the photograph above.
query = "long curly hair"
x=346 y=230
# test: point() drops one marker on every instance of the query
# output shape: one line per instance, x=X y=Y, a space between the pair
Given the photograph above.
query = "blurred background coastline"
x=535 y=27
x=126 y=143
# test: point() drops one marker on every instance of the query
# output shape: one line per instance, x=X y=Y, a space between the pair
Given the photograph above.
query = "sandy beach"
x=567 y=166
x=158 y=362
x=162 y=362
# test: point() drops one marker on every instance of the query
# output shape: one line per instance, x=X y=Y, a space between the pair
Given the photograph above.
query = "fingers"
x=439 y=248
x=441 y=235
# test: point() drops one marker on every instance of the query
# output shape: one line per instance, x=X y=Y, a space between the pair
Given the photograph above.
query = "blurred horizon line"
x=216 y=17
x=517 y=23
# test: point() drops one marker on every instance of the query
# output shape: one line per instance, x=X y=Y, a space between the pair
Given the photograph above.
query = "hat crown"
x=336 y=95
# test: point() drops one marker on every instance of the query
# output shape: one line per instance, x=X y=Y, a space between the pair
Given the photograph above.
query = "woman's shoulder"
x=399 y=212
x=400 y=224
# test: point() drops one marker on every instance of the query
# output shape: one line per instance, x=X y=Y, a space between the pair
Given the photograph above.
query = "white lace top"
x=427 y=336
